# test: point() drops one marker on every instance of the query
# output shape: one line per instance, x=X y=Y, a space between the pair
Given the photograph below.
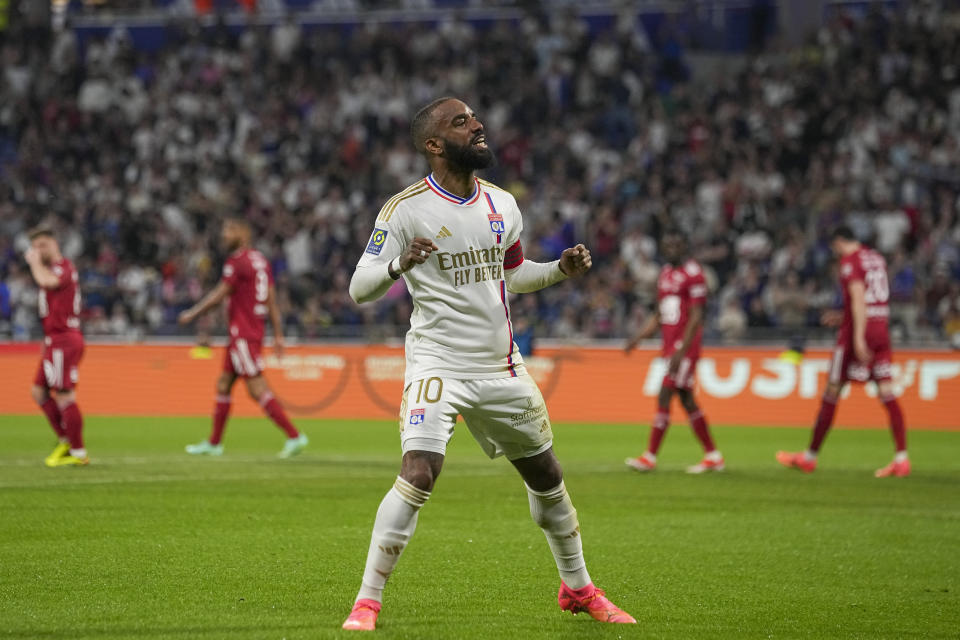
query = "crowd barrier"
x=737 y=386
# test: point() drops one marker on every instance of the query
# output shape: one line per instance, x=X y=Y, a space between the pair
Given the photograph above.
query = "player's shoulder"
x=403 y=198
x=497 y=193
x=852 y=263
x=692 y=269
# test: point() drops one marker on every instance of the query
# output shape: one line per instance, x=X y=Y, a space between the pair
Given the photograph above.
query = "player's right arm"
x=858 y=311
x=385 y=259
x=646 y=331
x=42 y=275
x=208 y=302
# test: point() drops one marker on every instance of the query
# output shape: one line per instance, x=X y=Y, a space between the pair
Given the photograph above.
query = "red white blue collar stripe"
x=446 y=195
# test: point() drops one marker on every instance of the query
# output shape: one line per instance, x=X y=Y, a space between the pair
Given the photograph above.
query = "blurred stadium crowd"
x=603 y=138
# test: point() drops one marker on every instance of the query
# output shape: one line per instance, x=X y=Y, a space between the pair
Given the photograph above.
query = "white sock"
x=553 y=511
x=714 y=456
x=78 y=453
x=900 y=456
x=393 y=528
x=809 y=455
x=649 y=456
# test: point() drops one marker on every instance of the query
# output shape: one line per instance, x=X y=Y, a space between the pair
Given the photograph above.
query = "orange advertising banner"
x=736 y=386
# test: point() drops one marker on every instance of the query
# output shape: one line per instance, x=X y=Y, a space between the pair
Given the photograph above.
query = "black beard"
x=468 y=157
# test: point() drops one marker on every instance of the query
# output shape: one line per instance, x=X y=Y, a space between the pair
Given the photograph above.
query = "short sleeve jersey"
x=249 y=275
x=869 y=267
x=678 y=290
x=60 y=307
x=460 y=326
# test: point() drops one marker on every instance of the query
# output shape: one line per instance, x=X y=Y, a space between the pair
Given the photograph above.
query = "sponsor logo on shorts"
x=417 y=416
x=530 y=415
x=377 y=240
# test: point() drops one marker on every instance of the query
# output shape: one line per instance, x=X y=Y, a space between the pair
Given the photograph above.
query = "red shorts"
x=243 y=358
x=686 y=373
x=844 y=365
x=61 y=357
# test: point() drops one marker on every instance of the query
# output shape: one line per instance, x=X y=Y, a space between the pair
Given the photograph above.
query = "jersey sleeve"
x=696 y=283
x=513 y=248
x=386 y=242
x=514 y=226
x=231 y=273
x=64 y=275
x=850 y=271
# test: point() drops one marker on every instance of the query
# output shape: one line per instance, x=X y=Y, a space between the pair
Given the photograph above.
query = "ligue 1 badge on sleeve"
x=417 y=415
x=496 y=222
x=377 y=240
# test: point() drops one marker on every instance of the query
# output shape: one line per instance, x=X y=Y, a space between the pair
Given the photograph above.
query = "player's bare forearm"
x=858 y=311
x=43 y=276
x=275 y=319
x=694 y=323
x=649 y=327
x=208 y=302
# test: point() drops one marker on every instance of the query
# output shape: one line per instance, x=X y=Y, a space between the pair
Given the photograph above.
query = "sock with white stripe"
x=393 y=528
x=553 y=511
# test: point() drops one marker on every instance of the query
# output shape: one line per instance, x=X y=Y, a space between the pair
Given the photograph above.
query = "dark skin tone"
x=235 y=237
x=456 y=123
x=674 y=250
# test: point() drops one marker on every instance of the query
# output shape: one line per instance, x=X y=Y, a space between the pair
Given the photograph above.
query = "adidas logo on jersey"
x=444 y=233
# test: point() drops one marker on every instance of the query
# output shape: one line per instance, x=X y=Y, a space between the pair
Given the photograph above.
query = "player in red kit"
x=56 y=379
x=248 y=282
x=862 y=353
x=681 y=297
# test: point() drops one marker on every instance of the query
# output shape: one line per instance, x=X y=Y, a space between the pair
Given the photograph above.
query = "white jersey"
x=460 y=326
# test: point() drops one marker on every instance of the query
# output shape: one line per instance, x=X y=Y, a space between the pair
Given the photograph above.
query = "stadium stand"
x=604 y=135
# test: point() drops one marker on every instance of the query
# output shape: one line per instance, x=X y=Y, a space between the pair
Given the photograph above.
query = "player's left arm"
x=42 y=274
x=858 y=310
x=697 y=292
x=694 y=324
x=278 y=343
x=208 y=302
x=526 y=276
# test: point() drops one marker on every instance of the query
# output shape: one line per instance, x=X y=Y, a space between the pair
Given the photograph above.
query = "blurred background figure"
x=136 y=148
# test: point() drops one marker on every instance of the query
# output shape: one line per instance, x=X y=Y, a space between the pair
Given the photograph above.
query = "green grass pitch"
x=148 y=543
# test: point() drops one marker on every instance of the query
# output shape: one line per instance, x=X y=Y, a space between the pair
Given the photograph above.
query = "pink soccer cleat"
x=796 y=461
x=709 y=463
x=897 y=469
x=643 y=463
x=363 y=616
x=594 y=602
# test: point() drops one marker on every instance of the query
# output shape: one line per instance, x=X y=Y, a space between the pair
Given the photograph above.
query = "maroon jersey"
x=866 y=266
x=678 y=290
x=249 y=276
x=60 y=307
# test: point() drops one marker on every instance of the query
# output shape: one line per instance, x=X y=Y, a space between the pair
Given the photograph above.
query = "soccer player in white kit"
x=455 y=239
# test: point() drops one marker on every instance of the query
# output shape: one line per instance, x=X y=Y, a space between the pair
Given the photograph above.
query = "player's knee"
x=223 y=385
x=689 y=404
x=663 y=399
x=421 y=469
x=257 y=388
x=420 y=477
x=65 y=398
x=831 y=393
x=39 y=394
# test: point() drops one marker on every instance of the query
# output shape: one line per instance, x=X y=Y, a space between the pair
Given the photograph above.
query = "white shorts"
x=507 y=416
